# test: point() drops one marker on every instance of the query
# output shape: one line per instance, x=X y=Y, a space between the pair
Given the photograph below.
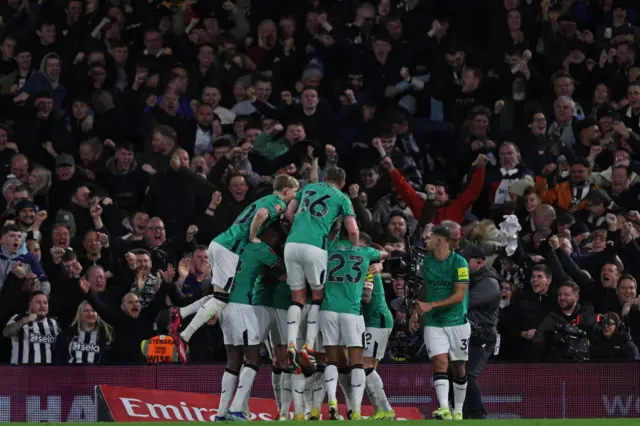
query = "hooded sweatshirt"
x=30 y=263
x=41 y=82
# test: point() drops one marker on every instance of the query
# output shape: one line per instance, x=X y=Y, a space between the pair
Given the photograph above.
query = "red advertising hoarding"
x=144 y=405
x=56 y=394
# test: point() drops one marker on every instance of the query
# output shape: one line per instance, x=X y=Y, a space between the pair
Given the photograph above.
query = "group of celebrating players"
x=294 y=272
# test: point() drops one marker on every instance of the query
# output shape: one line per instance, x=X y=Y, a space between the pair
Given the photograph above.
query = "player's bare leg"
x=245 y=381
x=298 y=299
x=358 y=380
x=441 y=385
x=229 y=380
x=459 y=369
x=376 y=393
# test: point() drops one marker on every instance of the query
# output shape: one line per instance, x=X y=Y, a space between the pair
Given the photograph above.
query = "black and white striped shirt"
x=35 y=342
x=85 y=347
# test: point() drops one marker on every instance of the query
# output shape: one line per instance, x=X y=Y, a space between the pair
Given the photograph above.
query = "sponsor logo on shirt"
x=439 y=283
x=84 y=347
x=463 y=273
x=46 y=339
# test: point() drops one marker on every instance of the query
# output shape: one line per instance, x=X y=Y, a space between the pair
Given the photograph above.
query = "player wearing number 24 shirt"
x=224 y=251
x=317 y=209
x=444 y=311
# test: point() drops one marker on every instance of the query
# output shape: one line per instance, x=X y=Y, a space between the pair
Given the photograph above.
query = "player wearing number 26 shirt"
x=224 y=251
x=313 y=214
x=444 y=310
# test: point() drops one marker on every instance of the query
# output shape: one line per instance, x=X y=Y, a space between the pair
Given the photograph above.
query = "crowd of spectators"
x=133 y=132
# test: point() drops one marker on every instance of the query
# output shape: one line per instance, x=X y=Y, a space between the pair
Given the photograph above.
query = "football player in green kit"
x=340 y=321
x=224 y=253
x=379 y=323
x=246 y=319
x=313 y=213
x=444 y=311
x=293 y=382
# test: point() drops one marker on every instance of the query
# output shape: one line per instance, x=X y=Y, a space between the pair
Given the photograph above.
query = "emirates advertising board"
x=190 y=393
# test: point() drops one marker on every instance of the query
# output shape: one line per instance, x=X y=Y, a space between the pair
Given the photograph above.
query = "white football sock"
x=331 y=381
x=293 y=323
x=318 y=387
x=287 y=394
x=345 y=384
x=441 y=386
x=459 y=393
x=229 y=380
x=358 y=383
x=276 y=382
x=308 y=393
x=312 y=325
x=297 y=391
x=191 y=309
x=245 y=383
x=204 y=314
x=376 y=389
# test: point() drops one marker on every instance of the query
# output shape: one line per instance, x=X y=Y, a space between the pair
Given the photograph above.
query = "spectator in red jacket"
x=445 y=209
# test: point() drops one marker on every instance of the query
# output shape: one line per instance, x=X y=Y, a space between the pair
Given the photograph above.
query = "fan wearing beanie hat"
x=29 y=220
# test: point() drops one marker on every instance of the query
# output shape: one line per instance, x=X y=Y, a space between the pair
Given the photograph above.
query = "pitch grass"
x=489 y=422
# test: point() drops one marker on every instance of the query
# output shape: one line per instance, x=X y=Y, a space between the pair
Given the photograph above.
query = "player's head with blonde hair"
x=286 y=187
x=335 y=176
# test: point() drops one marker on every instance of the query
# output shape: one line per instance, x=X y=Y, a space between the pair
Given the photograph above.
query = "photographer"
x=484 y=306
x=611 y=340
x=552 y=338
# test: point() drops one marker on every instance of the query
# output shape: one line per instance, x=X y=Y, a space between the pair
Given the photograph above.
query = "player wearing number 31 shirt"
x=313 y=213
x=444 y=311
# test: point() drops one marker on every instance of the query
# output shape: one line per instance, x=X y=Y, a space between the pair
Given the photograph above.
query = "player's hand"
x=256 y=240
x=423 y=307
x=528 y=334
x=30 y=318
x=376 y=268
